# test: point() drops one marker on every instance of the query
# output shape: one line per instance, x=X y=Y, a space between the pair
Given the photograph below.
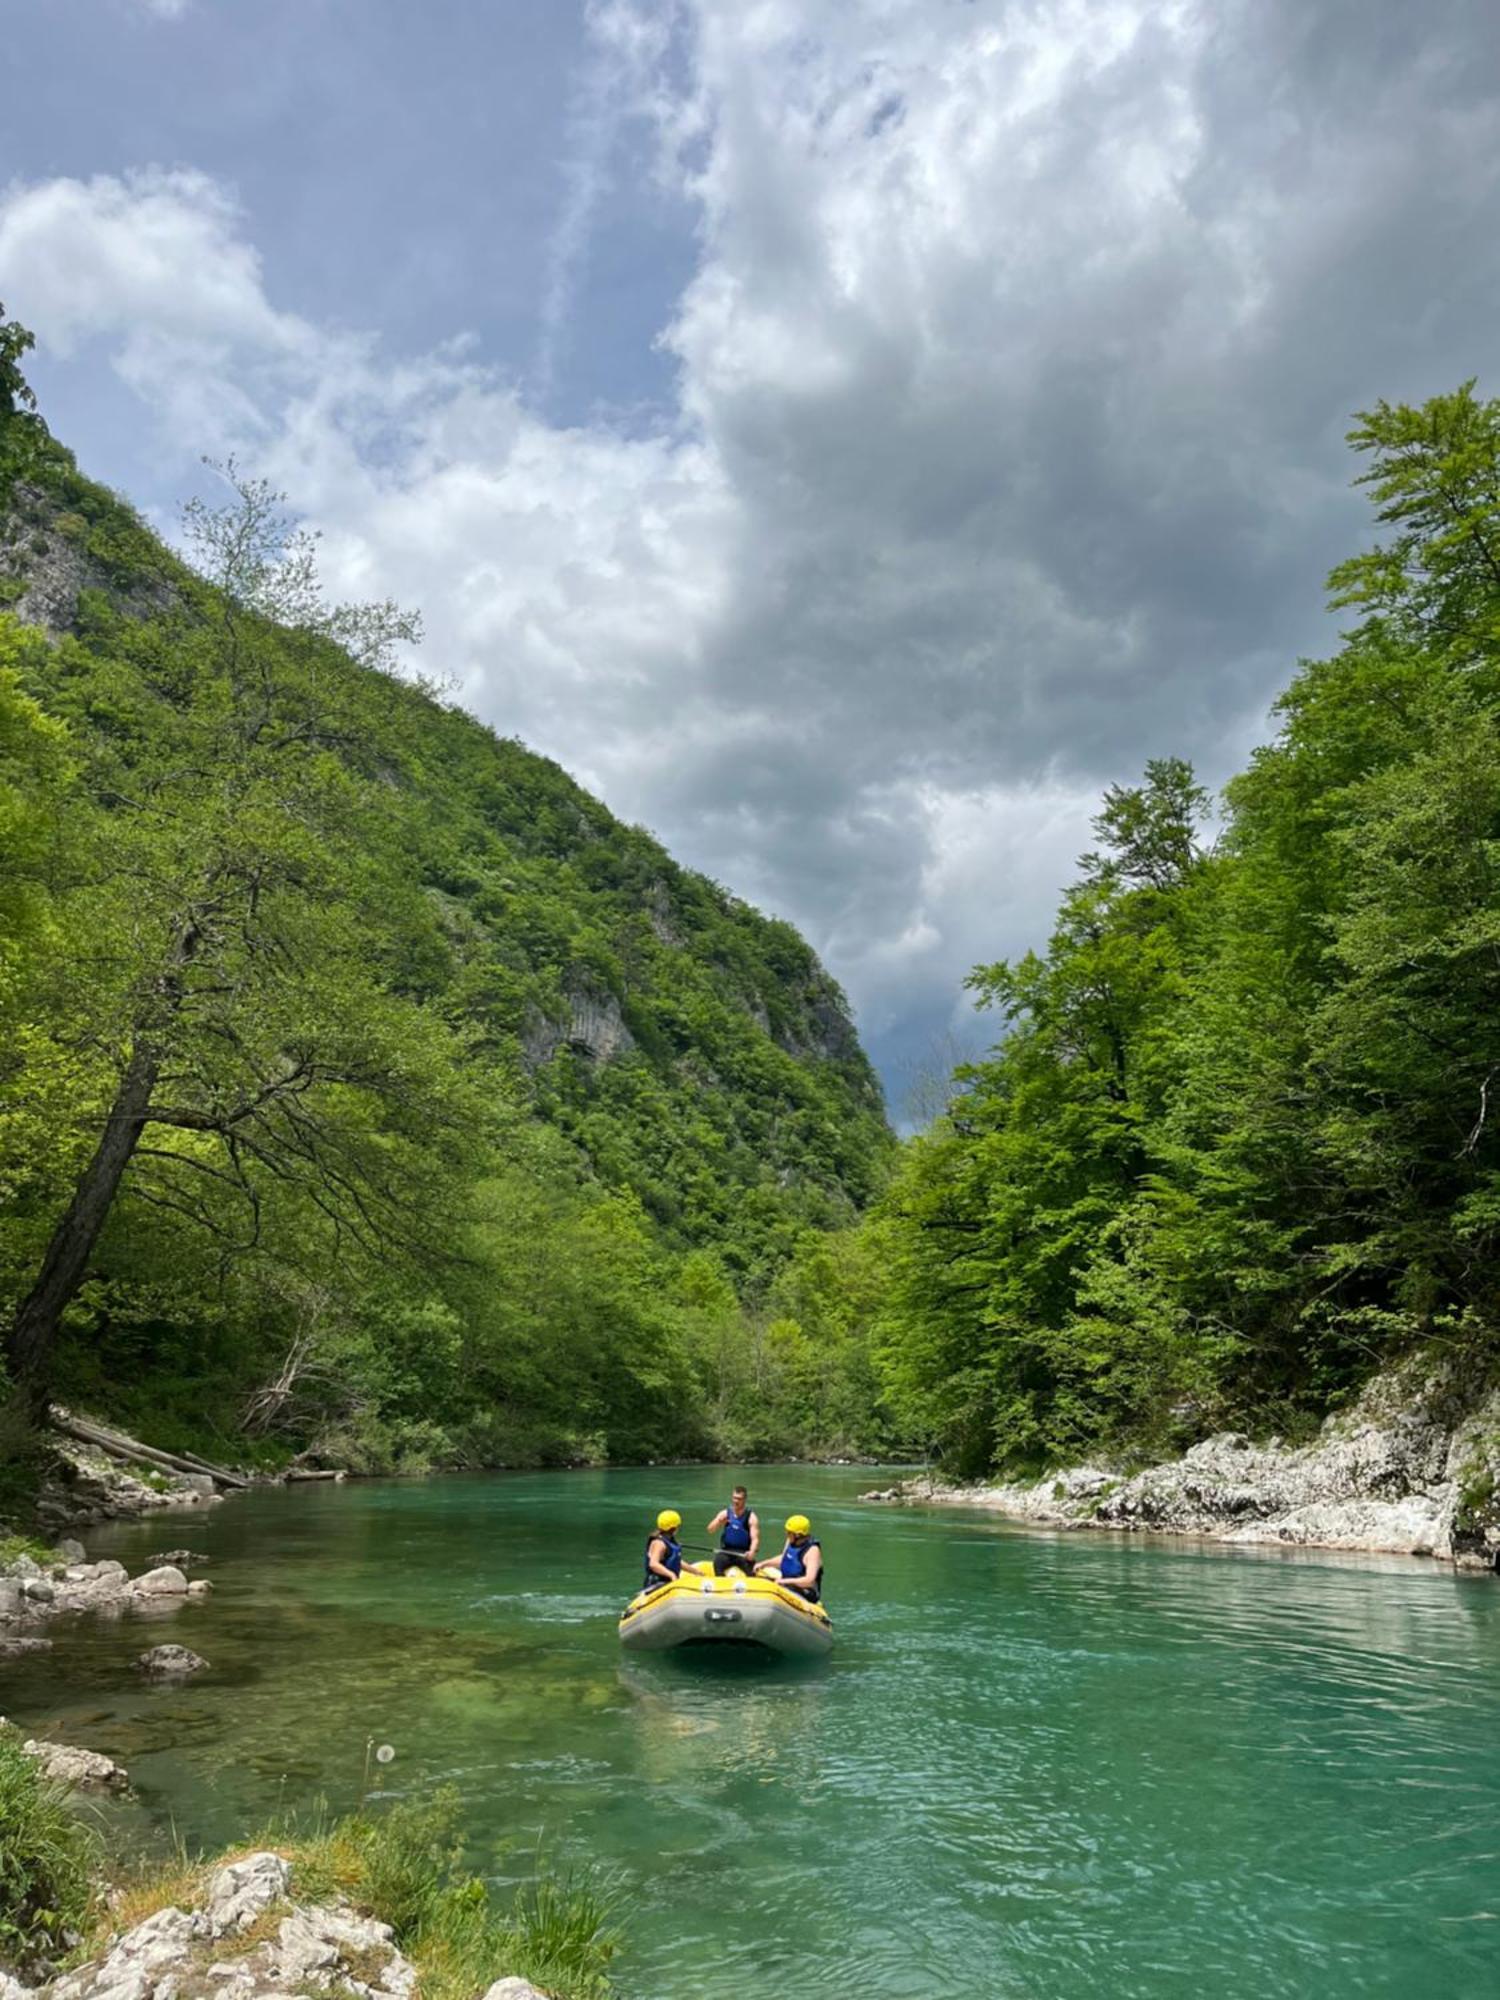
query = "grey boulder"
x=85 y=1769
x=167 y=1581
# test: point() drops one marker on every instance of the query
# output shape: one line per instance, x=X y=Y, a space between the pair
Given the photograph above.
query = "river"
x=1039 y=1765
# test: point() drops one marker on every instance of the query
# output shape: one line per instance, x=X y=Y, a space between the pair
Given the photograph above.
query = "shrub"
x=45 y=1860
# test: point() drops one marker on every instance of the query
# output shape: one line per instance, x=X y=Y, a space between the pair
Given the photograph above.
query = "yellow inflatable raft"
x=735 y=1610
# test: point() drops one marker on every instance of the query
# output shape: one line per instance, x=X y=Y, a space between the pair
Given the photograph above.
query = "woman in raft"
x=663 y=1551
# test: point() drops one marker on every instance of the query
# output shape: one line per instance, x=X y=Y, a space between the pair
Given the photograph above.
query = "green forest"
x=1234 y=1150
x=367 y=1090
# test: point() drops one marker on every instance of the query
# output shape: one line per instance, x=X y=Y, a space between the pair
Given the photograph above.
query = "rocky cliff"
x=1412 y=1467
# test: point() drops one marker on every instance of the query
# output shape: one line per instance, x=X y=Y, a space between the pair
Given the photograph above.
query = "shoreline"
x=1411 y=1468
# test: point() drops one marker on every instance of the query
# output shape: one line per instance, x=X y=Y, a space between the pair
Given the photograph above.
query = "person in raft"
x=739 y=1543
x=800 y=1565
x=663 y=1551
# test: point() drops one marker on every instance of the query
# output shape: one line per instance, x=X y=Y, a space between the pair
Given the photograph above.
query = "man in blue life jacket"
x=663 y=1551
x=739 y=1542
x=799 y=1567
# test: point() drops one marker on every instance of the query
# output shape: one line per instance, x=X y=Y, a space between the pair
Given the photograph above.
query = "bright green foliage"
x=466 y=1125
x=46 y=1854
x=1238 y=1143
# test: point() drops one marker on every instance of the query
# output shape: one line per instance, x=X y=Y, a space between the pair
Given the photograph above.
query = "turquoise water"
x=1038 y=1765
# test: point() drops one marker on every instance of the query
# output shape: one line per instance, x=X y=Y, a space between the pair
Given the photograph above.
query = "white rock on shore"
x=1411 y=1468
x=85 y=1770
x=326 y=1949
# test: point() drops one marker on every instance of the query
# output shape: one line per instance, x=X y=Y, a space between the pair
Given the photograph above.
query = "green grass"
x=14 y=1547
x=47 y=1857
x=405 y=1866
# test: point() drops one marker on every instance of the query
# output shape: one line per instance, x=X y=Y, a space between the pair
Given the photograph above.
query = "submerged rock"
x=170 y=1662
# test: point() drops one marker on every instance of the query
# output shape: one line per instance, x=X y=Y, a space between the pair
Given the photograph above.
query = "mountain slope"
x=612 y=1104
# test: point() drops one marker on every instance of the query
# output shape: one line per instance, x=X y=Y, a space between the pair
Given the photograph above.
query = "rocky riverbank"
x=87 y=1486
x=1411 y=1468
x=372 y=1907
x=247 y=1939
x=34 y=1592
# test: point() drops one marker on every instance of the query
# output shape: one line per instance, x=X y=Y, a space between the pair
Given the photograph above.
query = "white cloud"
x=1013 y=373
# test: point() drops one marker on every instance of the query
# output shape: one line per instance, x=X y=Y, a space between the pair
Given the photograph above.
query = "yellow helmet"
x=669 y=1518
x=798 y=1524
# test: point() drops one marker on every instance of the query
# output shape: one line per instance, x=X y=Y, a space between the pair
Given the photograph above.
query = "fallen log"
x=133 y=1452
x=311 y=1472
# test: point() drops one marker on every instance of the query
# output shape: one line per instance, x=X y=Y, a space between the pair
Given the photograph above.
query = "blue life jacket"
x=671 y=1556
x=793 y=1563
x=736 y=1533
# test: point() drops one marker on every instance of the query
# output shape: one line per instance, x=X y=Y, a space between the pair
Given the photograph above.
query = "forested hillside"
x=364 y=1085
x=366 y=1088
x=1239 y=1143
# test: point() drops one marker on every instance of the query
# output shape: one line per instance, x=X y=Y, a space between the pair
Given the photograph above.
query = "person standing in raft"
x=800 y=1565
x=664 y=1551
x=740 y=1541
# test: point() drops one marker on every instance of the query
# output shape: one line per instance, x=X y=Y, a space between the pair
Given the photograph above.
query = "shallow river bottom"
x=1038 y=1765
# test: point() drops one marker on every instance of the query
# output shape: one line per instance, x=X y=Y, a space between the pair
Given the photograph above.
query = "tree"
x=21 y=429
x=245 y=930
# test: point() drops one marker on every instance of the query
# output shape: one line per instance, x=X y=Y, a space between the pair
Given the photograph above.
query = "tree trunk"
x=33 y=1332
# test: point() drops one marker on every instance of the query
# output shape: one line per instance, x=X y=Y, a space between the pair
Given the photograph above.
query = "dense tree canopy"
x=1238 y=1143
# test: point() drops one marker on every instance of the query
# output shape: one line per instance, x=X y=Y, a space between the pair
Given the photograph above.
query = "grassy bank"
x=64 y=1894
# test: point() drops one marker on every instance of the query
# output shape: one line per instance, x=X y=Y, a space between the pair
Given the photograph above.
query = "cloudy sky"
x=846 y=433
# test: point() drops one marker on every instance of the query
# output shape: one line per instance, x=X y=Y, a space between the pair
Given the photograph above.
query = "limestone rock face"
x=1412 y=1467
x=170 y=1662
x=245 y=1890
x=139 y=1965
x=85 y=1769
x=594 y=1027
